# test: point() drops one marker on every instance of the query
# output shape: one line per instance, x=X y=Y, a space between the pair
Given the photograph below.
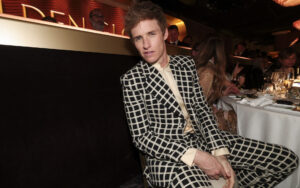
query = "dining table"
x=271 y=122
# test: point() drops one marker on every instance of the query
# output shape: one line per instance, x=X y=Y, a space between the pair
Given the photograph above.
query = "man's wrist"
x=189 y=156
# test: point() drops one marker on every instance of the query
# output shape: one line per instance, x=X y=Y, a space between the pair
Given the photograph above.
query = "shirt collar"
x=166 y=68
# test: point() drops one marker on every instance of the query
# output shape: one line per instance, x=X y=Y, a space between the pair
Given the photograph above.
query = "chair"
x=143 y=164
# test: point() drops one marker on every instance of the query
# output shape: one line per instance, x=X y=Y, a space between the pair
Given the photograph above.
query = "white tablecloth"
x=270 y=126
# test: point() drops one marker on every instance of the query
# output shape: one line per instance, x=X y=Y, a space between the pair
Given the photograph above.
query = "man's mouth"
x=148 y=53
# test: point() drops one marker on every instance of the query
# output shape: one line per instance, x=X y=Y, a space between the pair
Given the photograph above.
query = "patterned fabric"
x=156 y=124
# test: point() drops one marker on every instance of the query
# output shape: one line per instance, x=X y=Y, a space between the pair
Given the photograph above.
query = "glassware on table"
x=288 y=84
x=297 y=73
x=268 y=88
x=278 y=79
x=290 y=76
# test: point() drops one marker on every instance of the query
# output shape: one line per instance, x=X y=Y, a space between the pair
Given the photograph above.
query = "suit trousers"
x=256 y=164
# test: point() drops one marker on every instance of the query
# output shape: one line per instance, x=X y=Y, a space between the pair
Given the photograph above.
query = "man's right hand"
x=210 y=165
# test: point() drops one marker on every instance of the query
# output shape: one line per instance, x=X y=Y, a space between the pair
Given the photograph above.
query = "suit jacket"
x=156 y=122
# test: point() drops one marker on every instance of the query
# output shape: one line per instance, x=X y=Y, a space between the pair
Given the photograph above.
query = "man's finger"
x=224 y=174
x=214 y=177
x=228 y=173
x=228 y=170
x=230 y=182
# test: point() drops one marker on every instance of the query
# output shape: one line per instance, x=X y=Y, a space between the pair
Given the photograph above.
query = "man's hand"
x=215 y=167
x=229 y=171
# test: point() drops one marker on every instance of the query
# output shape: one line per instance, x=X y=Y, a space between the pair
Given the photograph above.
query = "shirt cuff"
x=188 y=156
x=220 y=151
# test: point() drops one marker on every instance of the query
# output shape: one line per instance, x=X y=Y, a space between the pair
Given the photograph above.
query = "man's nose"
x=146 y=43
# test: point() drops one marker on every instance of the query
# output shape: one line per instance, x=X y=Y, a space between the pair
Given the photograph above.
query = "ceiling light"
x=296 y=24
x=294 y=41
x=287 y=3
x=281 y=32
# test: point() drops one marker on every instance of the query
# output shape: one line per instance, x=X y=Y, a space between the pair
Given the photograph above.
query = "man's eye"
x=137 y=39
x=152 y=33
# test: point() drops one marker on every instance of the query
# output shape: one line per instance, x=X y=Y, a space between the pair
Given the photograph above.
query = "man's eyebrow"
x=154 y=30
x=136 y=36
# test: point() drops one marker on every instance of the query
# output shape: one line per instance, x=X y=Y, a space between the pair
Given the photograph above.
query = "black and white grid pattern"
x=156 y=125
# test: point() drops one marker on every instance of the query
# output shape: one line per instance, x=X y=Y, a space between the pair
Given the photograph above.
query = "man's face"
x=240 y=48
x=98 y=18
x=173 y=35
x=289 y=62
x=149 y=40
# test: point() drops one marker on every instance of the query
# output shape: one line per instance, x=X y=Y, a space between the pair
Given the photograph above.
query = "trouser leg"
x=260 y=164
x=190 y=177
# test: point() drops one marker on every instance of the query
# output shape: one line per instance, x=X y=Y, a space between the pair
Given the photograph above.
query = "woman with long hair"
x=210 y=64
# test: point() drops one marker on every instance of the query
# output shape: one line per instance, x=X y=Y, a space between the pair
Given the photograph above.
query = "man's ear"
x=166 y=34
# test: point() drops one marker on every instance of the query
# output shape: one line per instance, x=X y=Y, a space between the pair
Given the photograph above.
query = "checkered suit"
x=156 y=125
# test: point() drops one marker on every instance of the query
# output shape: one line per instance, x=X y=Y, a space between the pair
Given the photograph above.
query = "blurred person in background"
x=255 y=77
x=195 y=50
x=187 y=41
x=287 y=59
x=97 y=19
x=241 y=50
x=49 y=19
x=210 y=64
x=173 y=36
x=238 y=76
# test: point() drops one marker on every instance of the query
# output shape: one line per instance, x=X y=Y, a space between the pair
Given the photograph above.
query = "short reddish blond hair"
x=145 y=10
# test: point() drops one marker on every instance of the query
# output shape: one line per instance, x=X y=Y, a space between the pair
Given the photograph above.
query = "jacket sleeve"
x=144 y=139
x=208 y=127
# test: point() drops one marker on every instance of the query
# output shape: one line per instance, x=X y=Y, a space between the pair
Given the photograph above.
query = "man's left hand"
x=228 y=169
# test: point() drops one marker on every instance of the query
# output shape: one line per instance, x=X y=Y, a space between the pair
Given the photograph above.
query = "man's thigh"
x=189 y=177
x=245 y=152
x=252 y=159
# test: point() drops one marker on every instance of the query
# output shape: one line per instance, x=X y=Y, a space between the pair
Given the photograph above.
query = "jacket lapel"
x=157 y=87
x=181 y=75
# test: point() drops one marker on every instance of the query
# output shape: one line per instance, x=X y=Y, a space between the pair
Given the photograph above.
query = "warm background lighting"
x=296 y=24
x=287 y=3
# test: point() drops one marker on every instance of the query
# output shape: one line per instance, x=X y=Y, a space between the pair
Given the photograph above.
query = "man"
x=97 y=19
x=287 y=59
x=173 y=36
x=240 y=50
x=171 y=123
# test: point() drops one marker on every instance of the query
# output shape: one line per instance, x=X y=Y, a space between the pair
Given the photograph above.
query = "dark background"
x=253 y=20
x=62 y=121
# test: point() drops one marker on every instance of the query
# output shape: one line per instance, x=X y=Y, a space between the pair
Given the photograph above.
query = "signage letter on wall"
x=24 y=6
x=1 y=9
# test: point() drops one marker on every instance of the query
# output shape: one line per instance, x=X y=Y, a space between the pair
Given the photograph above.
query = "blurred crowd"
x=222 y=73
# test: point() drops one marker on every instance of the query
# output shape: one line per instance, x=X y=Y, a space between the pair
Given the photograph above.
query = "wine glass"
x=278 y=79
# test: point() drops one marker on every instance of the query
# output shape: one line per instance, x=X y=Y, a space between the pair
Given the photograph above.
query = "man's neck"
x=165 y=61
